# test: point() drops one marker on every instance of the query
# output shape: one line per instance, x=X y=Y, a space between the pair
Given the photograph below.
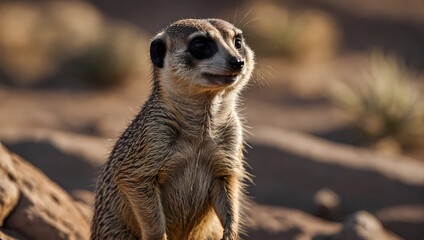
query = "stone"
x=86 y=210
x=85 y=202
x=327 y=204
x=84 y=196
x=69 y=159
x=9 y=188
x=406 y=221
x=4 y=236
x=363 y=226
x=275 y=223
x=44 y=210
x=7 y=234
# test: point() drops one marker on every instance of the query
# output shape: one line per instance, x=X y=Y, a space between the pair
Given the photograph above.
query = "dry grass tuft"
x=387 y=105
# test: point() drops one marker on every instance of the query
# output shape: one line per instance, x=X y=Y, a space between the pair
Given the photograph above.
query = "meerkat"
x=177 y=172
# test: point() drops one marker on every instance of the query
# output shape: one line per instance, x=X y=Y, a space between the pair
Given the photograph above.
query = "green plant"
x=386 y=104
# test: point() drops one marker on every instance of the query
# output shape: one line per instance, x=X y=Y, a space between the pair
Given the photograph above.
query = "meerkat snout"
x=236 y=63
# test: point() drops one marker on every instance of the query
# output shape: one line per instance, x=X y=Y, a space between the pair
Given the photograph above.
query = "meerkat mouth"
x=221 y=79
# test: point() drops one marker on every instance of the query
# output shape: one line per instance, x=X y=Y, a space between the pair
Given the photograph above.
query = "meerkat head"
x=200 y=55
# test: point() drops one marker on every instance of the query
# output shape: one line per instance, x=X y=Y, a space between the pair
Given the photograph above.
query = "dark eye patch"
x=202 y=47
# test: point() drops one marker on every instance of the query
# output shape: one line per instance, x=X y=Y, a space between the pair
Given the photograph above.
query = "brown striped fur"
x=177 y=172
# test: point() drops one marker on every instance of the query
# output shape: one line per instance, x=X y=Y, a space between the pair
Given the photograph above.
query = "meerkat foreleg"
x=144 y=197
x=226 y=203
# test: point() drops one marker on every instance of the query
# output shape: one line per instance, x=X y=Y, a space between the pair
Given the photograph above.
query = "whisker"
x=235 y=15
x=245 y=15
x=262 y=75
x=250 y=21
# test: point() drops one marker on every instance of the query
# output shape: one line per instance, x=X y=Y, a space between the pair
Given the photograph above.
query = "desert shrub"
x=275 y=31
x=120 y=55
x=24 y=48
x=385 y=103
x=67 y=43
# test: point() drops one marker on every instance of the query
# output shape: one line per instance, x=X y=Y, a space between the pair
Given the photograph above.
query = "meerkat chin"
x=177 y=172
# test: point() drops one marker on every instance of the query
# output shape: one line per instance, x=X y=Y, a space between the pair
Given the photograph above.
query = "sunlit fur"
x=177 y=172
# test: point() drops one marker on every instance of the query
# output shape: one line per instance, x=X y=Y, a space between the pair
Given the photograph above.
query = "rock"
x=327 y=204
x=9 y=188
x=69 y=159
x=363 y=226
x=275 y=223
x=3 y=236
x=85 y=202
x=406 y=221
x=86 y=210
x=44 y=210
x=83 y=196
x=290 y=167
x=7 y=234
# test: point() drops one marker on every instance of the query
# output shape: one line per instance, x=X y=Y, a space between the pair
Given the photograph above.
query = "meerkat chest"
x=194 y=164
x=186 y=185
x=189 y=176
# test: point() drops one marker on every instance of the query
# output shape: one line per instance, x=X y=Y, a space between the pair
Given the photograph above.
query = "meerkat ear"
x=157 y=52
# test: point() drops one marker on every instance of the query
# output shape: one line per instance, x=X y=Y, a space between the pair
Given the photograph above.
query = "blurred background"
x=335 y=107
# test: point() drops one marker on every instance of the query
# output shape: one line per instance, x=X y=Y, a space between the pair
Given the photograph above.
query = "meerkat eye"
x=238 y=42
x=202 y=47
x=200 y=44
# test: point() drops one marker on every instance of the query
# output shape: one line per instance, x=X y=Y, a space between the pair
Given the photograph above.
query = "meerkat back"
x=177 y=172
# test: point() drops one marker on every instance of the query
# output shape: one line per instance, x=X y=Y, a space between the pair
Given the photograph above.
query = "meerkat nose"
x=236 y=63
